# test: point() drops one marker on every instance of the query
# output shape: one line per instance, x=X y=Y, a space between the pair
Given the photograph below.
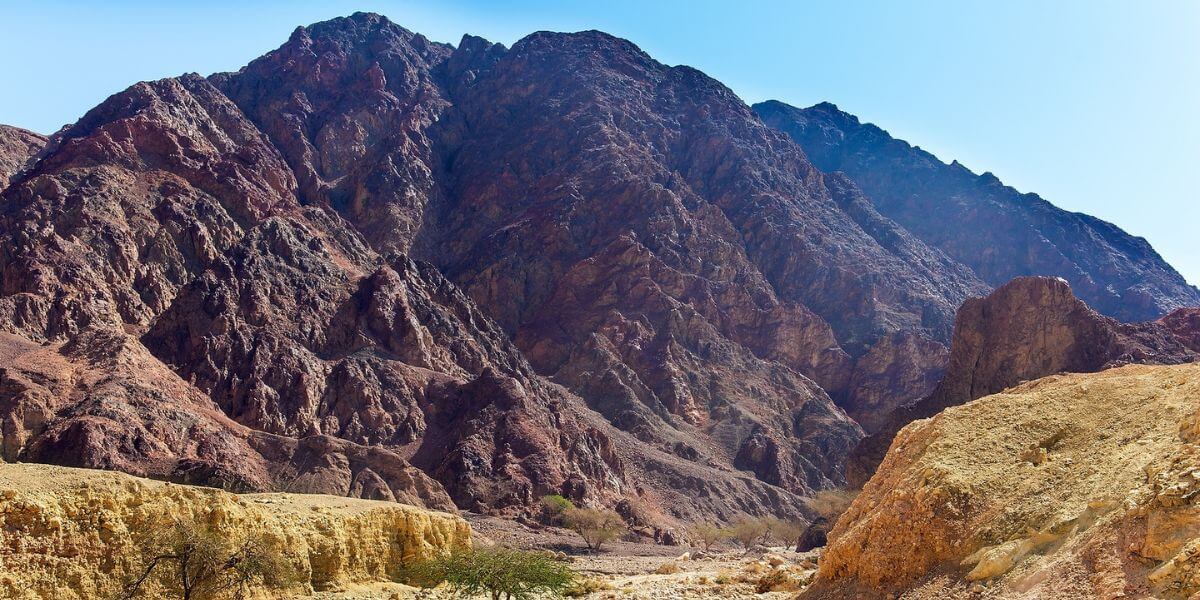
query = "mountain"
x=379 y=266
x=997 y=231
x=17 y=146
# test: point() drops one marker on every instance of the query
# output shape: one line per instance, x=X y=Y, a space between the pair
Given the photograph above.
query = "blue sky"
x=1092 y=104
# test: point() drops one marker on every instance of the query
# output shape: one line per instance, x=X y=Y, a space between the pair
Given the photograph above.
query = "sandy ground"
x=628 y=569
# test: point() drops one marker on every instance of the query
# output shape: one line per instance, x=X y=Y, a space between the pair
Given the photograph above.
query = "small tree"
x=748 y=532
x=554 y=506
x=501 y=573
x=595 y=526
x=786 y=531
x=708 y=535
x=194 y=562
x=830 y=504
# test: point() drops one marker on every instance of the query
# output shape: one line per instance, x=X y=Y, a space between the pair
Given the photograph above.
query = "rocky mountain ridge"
x=17 y=147
x=995 y=230
x=374 y=265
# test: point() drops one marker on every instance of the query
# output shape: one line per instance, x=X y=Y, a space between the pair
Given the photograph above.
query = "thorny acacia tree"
x=194 y=562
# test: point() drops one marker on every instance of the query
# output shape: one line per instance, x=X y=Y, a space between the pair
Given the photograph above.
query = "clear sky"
x=1090 y=103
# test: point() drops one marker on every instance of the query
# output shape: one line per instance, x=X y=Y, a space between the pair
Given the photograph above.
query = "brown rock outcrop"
x=128 y=204
x=1028 y=328
x=17 y=147
x=1185 y=324
x=1070 y=486
x=293 y=343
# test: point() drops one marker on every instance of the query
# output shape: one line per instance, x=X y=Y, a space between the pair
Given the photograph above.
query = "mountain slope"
x=16 y=147
x=532 y=178
x=995 y=230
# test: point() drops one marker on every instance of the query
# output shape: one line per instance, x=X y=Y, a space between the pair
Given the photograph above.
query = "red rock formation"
x=143 y=192
x=290 y=342
x=1185 y=324
x=17 y=147
x=1028 y=328
x=100 y=400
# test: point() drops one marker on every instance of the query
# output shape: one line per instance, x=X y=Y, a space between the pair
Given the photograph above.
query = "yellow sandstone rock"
x=1071 y=486
x=69 y=534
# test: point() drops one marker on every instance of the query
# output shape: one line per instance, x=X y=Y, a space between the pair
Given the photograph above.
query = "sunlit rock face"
x=17 y=148
x=1069 y=486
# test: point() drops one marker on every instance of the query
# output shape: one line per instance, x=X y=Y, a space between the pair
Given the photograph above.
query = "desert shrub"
x=554 y=506
x=748 y=532
x=635 y=512
x=595 y=526
x=830 y=504
x=582 y=586
x=777 y=580
x=667 y=568
x=708 y=535
x=786 y=531
x=195 y=562
x=500 y=573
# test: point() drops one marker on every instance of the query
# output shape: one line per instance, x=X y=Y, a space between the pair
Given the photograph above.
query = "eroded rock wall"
x=73 y=534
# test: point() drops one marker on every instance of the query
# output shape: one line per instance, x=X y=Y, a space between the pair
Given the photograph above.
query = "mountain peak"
x=591 y=43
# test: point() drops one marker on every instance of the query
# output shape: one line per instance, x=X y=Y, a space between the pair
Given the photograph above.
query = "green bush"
x=554 y=506
x=594 y=525
x=748 y=532
x=501 y=573
x=708 y=535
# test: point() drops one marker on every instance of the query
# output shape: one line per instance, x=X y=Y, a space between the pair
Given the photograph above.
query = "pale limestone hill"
x=70 y=533
x=1070 y=486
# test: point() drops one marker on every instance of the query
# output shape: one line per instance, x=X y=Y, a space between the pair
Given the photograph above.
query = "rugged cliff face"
x=79 y=534
x=291 y=341
x=100 y=400
x=301 y=358
x=1071 y=486
x=990 y=227
x=17 y=147
x=642 y=280
x=1028 y=328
